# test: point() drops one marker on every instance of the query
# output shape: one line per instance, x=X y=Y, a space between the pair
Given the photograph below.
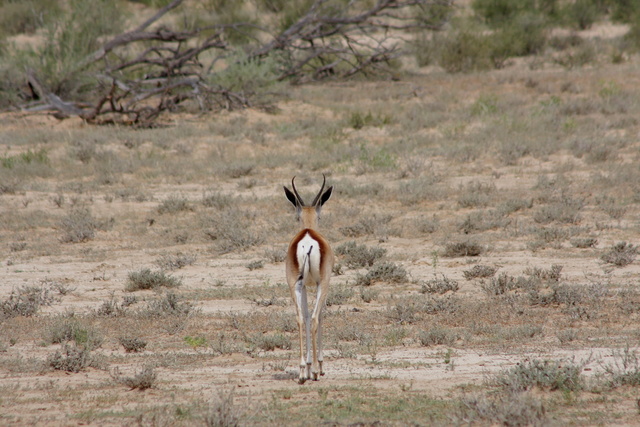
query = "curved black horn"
x=296 y=192
x=324 y=180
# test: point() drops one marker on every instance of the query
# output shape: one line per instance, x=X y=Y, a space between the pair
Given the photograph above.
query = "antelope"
x=309 y=263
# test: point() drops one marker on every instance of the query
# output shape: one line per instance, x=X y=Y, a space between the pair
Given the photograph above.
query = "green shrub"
x=463 y=51
x=26 y=16
x=498 y=13
x=581 y=14
x=69 y=39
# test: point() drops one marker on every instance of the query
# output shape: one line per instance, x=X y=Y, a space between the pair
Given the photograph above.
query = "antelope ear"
x=291 y=197
x=326 y=196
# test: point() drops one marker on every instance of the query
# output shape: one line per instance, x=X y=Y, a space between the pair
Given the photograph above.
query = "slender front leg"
x=302 y=311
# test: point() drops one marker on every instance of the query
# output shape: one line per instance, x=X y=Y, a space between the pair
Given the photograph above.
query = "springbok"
x=309 y=263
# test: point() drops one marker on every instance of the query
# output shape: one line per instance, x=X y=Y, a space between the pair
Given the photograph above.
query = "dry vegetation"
x=486 y=227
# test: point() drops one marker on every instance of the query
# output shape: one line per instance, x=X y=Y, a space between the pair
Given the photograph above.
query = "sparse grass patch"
x=146 y=279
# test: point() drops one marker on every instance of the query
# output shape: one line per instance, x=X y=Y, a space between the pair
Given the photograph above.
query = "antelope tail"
x=306 y=265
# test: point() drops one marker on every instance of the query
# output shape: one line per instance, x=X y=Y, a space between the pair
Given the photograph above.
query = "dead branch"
x=166 y=68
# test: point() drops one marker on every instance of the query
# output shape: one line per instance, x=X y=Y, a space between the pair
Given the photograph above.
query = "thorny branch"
x=326 y=41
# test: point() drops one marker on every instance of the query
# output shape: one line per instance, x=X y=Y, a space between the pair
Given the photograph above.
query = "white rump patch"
x=309 y=247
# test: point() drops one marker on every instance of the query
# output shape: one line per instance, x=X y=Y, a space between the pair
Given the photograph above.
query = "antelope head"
x=308 y=214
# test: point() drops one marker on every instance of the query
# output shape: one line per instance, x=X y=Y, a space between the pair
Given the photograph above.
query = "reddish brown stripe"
x=315 y=236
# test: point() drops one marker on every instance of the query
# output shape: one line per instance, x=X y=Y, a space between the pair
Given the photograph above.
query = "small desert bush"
x=71 y=359
x=233 y=230
x=373 y=224
x=222 y=412
x=269 y=342
x=480 y=272
x=147 y=279
x=174 y=204
x=215 y=199
x=584 y=242
x=404 y=311
x=461 y=249
x=112 y=308
x=547 y=374
x=439 y=286
x=168 y=304
x=476 y=194
x=78 y=226
x=358 y=120
x=132 y=344
x=566 y=211
x=142 y=380
x=368 y=294
x=620 y=254
x=67 y=328
x=358 y=256
x=339 y=294
x=25 y=301
x=437 y=336
x=508 y=409
x=624 y=369
x=175 y=262
x=505 y=283
x=382 y=272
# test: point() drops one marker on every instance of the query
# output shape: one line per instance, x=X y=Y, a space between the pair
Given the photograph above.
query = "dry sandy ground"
x=98 y=269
